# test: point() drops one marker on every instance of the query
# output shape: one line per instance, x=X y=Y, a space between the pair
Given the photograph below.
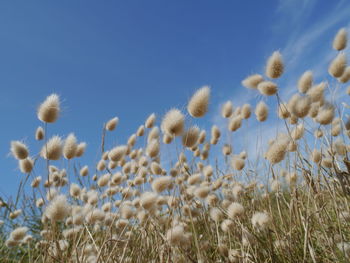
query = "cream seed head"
x=39 y=133
x=274 y=65
x=148 y=200
x=173 y=122
x=235 y=210
x=15 y=214
x=226 y=149
x=70 y=146
x=261 y=220
x=80 y=149
x=246 y=111
x=215 y=132
x=153 y=134
x=202 y=192
x=237 y=163
x=53 y=149
x=346 y=75
x=198 y=104
x=36 y=182
x=316 y=92
x=299 y=105
x=112 y=124
x=26 y=165
x=325 y=114
x=150 y=121
x=19 y=150
x=283 y=111
x=74 y=190
x=117 y=153
x=215 y=214
x=267 y=88
x=103 y=180
x=39 y=202
x=338 y=65
x=58 y=209
x=340 y=40
x=235 y=123
x=227 y=109
x=277 y=150
x=161 y=183
x=305 y=81
x=252 y=81
x=190 y=137
x=19 y=233
x=261 y=111
x=84 y=171
x=153 y=148
x=49 y=110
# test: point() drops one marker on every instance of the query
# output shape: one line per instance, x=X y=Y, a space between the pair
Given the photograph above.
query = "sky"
x=132 y=58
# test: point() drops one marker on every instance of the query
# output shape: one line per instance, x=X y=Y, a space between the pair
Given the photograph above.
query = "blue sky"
x=132 y=58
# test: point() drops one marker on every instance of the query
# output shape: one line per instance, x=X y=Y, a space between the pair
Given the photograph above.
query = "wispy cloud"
x=307 y=47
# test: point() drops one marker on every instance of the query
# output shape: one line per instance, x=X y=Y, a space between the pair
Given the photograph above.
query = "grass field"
x=202 y=201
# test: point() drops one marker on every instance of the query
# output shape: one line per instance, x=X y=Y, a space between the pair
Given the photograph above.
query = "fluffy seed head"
x=340 y=40
x=19 y=150
x=237 y=163
x=175 y=235
x=39 y=133
x=299 y=105
x=53 y=148
x=173 y=122
x=153 y=148
x=338 y=65
x=70 y=146
x=261 y=111
x=49 y=110
x=103 y=181
x=153 y=134
x=140 y=131
x=58 y=209
x=80 y=149
x=84 y=171
x=261 y=220
x=148 y=200
x=35 y=183
x=234 y=123
x=216 y=214
x=117 y=153
x=235 y=210
x=298 y=132
x=190 y=137
x=283 y=111
x=198 y=104
x=305 y=81
x=277 y=150
x=346 y=75
x=316 y=92
x=74 y=190
x=267 y=88
x=202 y=192
x=112 y=123
x=252 y=81
x=19 y=233
x=161 y=183
x=274 y=65
x=26 y=165
x=325 y=114
x=149 y=123
x=246 y=111
x=227 y=109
